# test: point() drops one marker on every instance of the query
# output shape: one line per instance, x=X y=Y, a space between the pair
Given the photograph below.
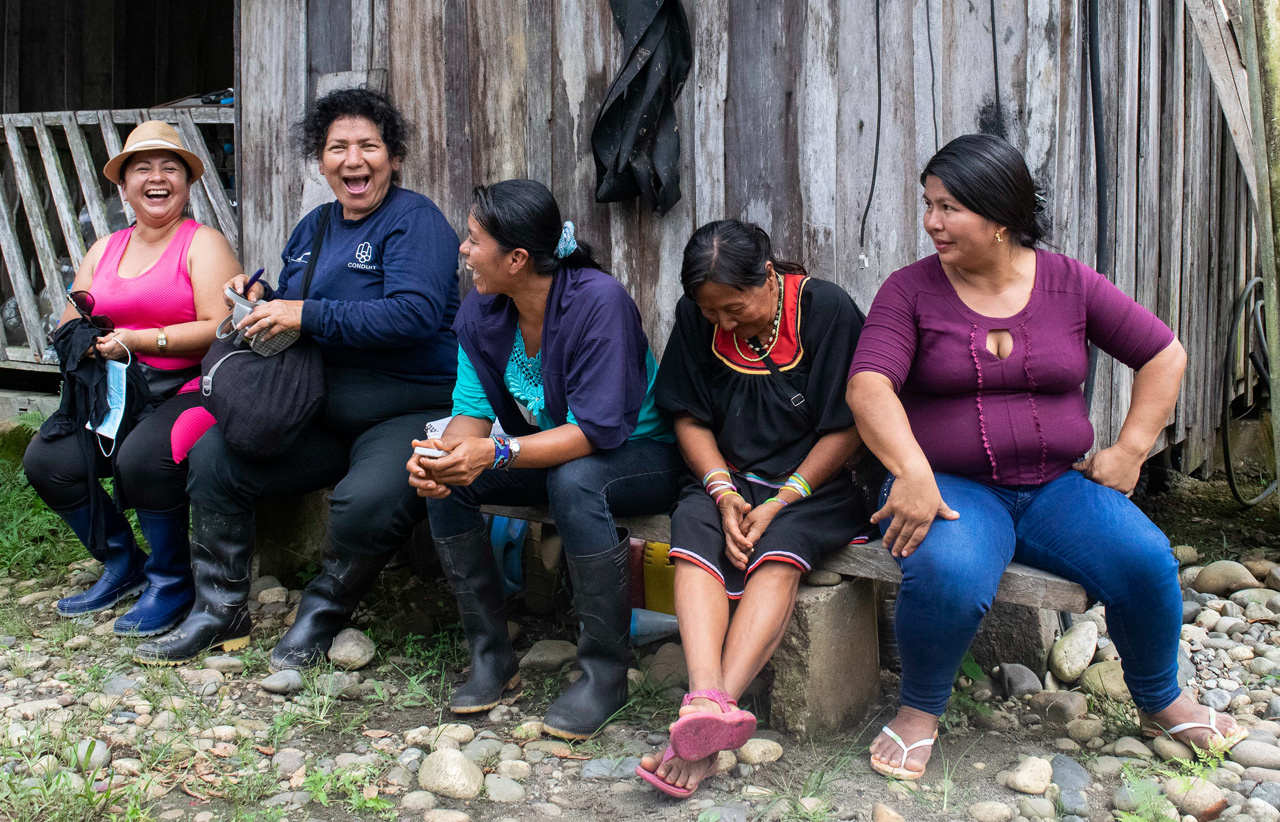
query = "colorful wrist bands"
x=505 y=452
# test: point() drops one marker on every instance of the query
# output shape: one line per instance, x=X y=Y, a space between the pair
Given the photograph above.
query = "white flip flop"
x=902 y=772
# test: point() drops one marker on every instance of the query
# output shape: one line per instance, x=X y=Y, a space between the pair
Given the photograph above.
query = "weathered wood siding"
x=813 y=118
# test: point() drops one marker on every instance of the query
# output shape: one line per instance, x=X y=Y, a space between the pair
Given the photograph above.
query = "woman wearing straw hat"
x=149 y=297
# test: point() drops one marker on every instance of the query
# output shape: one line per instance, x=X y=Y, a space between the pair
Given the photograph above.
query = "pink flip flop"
x=661 y=784
x=699 y=735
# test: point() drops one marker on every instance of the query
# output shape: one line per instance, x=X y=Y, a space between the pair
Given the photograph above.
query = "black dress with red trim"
x=761 y=432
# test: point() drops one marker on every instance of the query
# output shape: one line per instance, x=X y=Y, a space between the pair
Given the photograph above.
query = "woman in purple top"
x=967 y=385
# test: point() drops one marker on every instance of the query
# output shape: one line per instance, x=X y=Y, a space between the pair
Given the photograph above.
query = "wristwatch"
x=162 y=342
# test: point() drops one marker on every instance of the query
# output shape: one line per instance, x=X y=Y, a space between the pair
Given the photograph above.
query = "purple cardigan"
x=593 y=353
x=1017 y=421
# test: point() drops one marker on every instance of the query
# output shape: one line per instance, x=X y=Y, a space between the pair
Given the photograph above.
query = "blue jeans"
x=640 y=477
x=1072 y=527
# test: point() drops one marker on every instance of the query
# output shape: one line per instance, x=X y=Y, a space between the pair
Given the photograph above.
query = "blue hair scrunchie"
x=567 y=244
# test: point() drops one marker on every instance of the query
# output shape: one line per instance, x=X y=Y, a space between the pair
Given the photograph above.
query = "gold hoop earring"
x=999 y=239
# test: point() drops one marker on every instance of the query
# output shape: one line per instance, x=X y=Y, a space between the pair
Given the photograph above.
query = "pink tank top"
x=158 y=297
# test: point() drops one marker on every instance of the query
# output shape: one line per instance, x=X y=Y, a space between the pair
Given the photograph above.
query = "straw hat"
x=150 y=136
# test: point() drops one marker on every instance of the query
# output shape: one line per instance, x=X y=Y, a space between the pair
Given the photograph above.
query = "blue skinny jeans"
x=1070 y=526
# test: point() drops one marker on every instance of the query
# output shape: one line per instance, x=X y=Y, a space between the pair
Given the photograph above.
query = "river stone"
x=1253 y=754
x=225 y=664
x=1082 y=730
x=446 y=815
x=90 y=755
x=623 y=768
x=549 y=655
x=284 y=682
x=1037 y=807
x=1032 y=776
x=1072 y=652
x=515 y=769
x=418 y=801
x=1167 y=749
x=448 y=773
x=1132 y=748
x=1195 y=796
x=759 y=751
x=501 y=789
x=1018 y=680
x=351 y=650
x=1253 y=596
x=1106 y=679
x=1069 y=774
x=1216 y=698
x=287 y=761
x=1224 y=577
x=1060 y=706
x=990 y=812
x=119 y=686
x=478 y=750
x=667 y=666
x=883 y=813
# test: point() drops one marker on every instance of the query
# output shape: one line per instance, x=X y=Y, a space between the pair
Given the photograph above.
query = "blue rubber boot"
x=122 y=561
x=170 y=591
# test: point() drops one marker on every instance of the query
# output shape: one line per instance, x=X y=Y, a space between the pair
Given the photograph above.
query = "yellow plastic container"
x=659 y=578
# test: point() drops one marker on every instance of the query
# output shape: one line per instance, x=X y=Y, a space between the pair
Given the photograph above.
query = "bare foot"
x=912 y=726
x=679 y=772
x=1183 y=710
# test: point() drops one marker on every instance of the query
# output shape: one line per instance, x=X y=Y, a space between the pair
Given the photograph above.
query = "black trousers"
x=151 y=479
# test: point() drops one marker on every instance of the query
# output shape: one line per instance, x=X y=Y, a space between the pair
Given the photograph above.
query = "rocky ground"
x=86 y=734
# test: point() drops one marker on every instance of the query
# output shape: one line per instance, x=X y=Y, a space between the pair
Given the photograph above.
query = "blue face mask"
x=117 y=375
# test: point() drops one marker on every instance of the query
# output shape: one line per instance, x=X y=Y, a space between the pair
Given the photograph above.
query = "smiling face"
x=743 y=312
x=494 y=270
x=155 y=184
x=357 y=166
x=964 y=239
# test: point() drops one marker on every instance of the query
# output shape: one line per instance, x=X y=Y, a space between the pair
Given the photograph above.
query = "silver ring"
x=268 y=325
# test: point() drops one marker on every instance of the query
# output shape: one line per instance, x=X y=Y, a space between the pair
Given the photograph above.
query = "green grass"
x=33 y=539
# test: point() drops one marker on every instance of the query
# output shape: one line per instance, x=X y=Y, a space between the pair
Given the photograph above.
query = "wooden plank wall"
x=813 y=118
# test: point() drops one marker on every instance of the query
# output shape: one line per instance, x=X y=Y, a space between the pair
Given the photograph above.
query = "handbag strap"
x=797 y=397
x=322 y=227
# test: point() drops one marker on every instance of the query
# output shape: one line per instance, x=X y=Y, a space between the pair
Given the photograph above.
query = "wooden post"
x=1262 y=63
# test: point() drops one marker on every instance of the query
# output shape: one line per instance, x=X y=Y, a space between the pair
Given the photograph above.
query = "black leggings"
x=151 y=479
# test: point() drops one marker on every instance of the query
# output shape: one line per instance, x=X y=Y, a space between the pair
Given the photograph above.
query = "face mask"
x=117 y=376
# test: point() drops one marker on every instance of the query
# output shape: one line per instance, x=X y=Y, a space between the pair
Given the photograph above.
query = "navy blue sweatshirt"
x=385 y=289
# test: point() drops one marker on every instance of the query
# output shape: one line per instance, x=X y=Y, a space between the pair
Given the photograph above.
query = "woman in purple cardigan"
x=552 y=348
x=967 y=385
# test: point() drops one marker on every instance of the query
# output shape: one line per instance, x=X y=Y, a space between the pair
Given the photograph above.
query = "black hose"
x=875 y=159
x=1100 y=164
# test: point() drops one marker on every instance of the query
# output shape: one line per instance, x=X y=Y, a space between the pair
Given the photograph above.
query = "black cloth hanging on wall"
x=636 y=138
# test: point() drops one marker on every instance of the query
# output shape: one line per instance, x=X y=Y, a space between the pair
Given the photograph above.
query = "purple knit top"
x=1017 y=421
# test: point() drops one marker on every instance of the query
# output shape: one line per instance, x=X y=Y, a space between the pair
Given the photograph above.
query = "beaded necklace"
x=764 y=350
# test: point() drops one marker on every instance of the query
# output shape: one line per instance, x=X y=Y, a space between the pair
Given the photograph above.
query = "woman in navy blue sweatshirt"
x=383 y=296
x=552 y=348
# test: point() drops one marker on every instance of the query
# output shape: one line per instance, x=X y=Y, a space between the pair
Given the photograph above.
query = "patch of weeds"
x=440 y=653
x=32 y=537
x=13 y=622
x=1150 y=803
x=349 y=788
x=648 y=705
x=812 y=782
x=1119 y=718
x=245 y=792
x=256 y=662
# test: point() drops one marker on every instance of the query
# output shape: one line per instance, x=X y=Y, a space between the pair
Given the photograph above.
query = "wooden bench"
x=827 y=668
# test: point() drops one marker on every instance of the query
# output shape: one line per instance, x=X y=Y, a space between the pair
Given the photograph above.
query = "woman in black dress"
x=755 y=373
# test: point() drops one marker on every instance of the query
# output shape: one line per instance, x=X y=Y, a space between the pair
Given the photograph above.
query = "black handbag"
x=263 y=404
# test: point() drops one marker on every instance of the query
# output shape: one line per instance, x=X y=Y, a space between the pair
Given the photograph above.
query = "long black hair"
x=374 y=106
x=989 y=177
x=732 y=253
x=523 y=214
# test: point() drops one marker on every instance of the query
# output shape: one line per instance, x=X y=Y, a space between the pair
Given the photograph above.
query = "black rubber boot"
x=468 y=564
x=602 y=598
x=221 y=560
x=326 y=607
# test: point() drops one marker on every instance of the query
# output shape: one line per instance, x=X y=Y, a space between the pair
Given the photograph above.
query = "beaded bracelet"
x=501 y=452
